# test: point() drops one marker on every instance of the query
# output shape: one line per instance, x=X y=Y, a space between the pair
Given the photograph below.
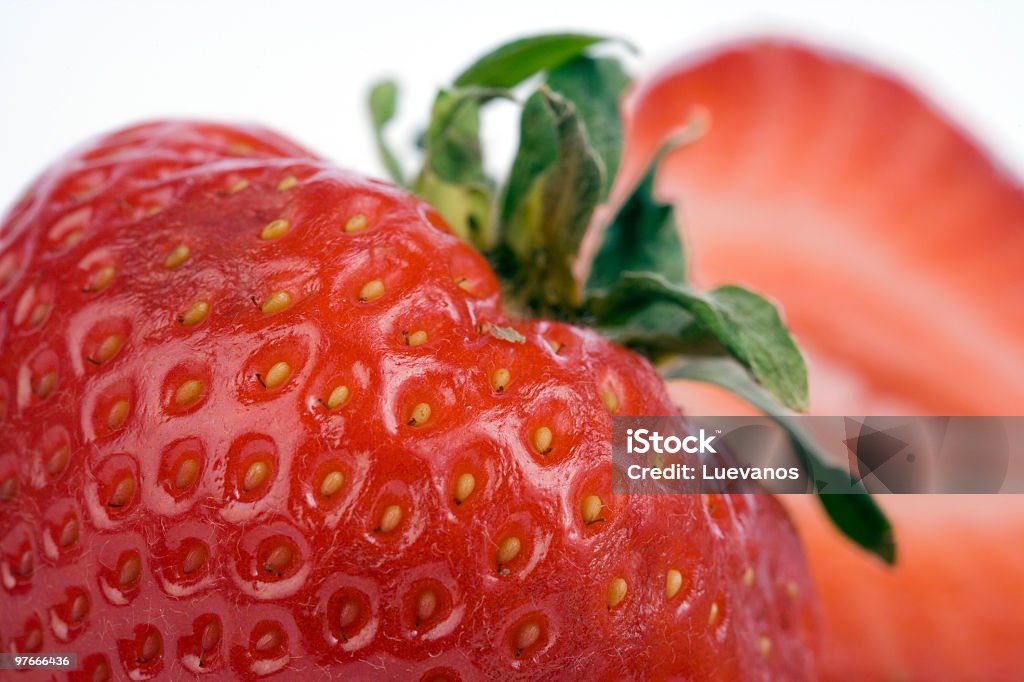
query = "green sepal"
x=849 y=506
x=552 y=191
x=596 y=86
x=514 y=62
x=383 y=102
x=746 y=324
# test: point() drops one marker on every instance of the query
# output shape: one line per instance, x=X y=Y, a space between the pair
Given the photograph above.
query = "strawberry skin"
x=818 y=169
x=256 y=423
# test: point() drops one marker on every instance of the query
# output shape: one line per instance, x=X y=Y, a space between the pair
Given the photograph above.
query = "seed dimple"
x=616 y=592
x=501 y=379
x=188 y=392
x=425 y=605
x=389 y=519
x=371 y=290
x=508 y=549
x=287 y=183
x=713 y=614
x=542 y=438
x=187 y=473
x=277 y=375
x=526 y=636
x=464 y=486
x=610 y=400
x=590 y=509
x=194 y=559
x=765 y=645
x=177 y=256
x=356 y=223
x=255 y=476
x=118 y=413
x=195 y=314
x=45 y=384
x=419 y=415
x=108 y=348
x=131 y=568
x=102 y=278
x=275 y=229
x=276 y=302
x=337 y=397
x=123 y=492
x=332 y=483
x=417 y=338
x=673 y=581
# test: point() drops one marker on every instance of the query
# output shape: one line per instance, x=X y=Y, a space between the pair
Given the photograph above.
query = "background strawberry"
x=262 y=416
x=896 y=246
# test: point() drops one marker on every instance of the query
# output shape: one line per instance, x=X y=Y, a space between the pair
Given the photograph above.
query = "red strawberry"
x=256 y=423
x=896 y=247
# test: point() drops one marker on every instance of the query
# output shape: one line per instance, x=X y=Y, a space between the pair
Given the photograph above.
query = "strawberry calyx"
x=532 y=224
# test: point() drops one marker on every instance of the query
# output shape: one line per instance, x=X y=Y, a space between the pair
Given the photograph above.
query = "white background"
x=69 y=70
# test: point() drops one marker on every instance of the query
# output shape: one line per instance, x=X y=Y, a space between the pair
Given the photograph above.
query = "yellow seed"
x=555 y=346
x=195 y=559
x=73 y=238
x=419 y=415
x=287 y=183
x=130 y=570
x=177 y=256
x=542 y=440
x=464 y=486
x=196 y=313
x=256 y=475
x=673 y=581
x=240 y=148
x=123 y=492
x=616 y=592
x=371 y=290
x=337 y=397
x=390 y=518
x=188 y=392
x=611 y=401
x=349 y=613
x=416 y=338
x=590 y=509
x=69 y=533
x=103 y=277
x=58 y=460
x=276 y=302
x=153 y=210
x=713 y=614
x=425 y=605
x=278 y=559
x=275 y=229
x=765 y=644
x=748 y=577
x=792 y=590
x=187 y=473
x=108 y=348
x=38 y=314
x=508 y=549
x=527 y=636
x=332 y=483
x=500 y=379
x=45 y=385
x=79 y=608
x=238 y=186
x=118 y=413
x=356 y=223
x=277 y=374
x=464 y=284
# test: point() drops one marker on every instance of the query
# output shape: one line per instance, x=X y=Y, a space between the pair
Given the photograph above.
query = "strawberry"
x=266 y=417
x=913 y=239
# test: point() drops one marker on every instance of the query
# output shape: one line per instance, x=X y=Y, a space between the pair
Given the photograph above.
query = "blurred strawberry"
x=896 y=247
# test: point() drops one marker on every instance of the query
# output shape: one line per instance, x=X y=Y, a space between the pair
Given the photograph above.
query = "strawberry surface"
x=263 y=417
x=896 y=246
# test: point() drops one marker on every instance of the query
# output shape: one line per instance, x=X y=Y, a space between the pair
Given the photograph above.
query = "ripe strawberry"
x=914 y=240
x=265 y=417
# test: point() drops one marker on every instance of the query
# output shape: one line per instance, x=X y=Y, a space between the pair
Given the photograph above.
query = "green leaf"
x=383 y=104
x=553 y=188
x=642 y=237
x=596 y=87
x=852 y=510
x=514 y=62
x=453 y=178
x=745 y=323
